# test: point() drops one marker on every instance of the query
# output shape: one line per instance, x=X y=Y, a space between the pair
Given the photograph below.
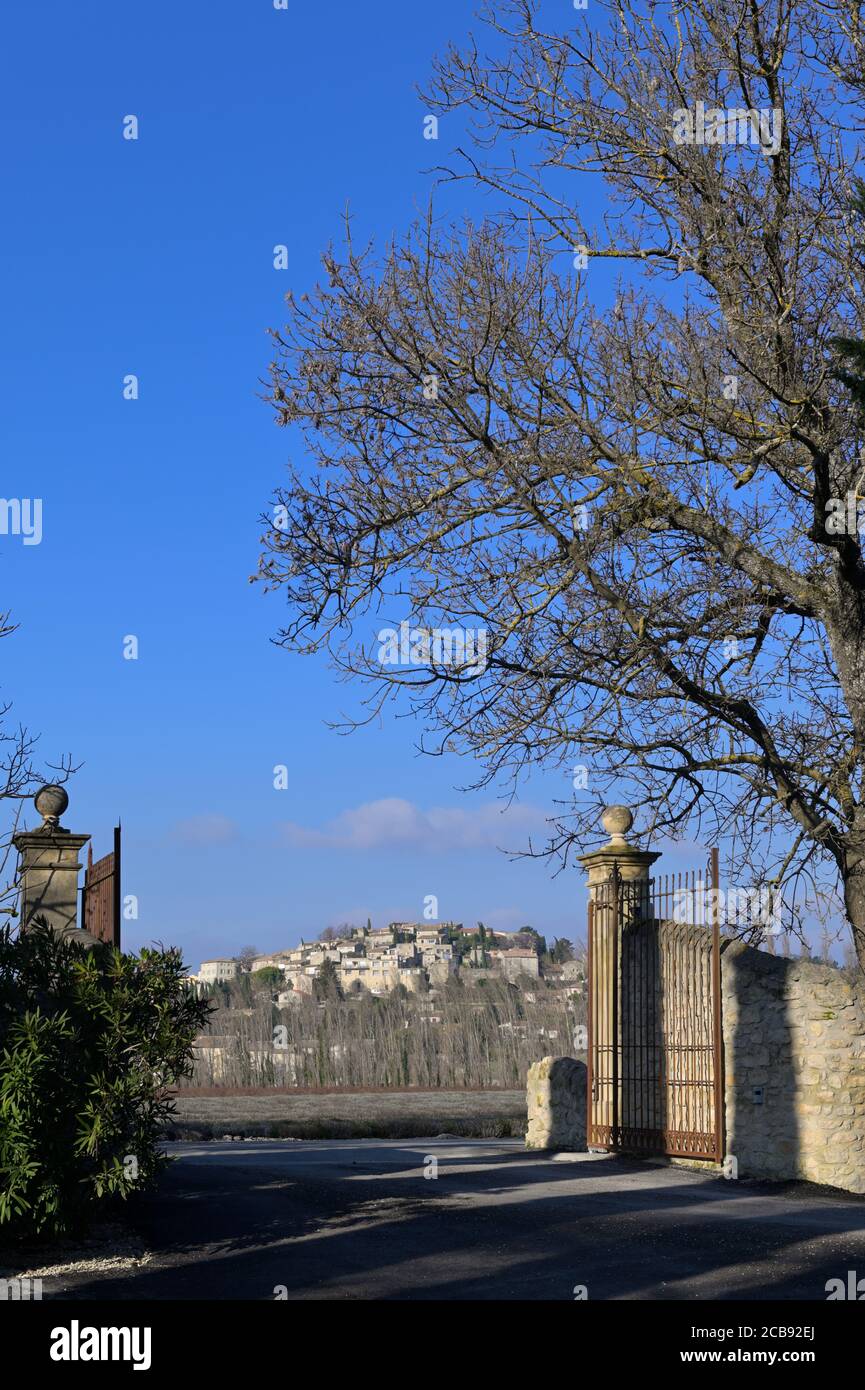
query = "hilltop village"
x=410 y=1004
x=417 y=956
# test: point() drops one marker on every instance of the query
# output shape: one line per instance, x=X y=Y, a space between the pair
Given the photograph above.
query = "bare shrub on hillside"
x=484 y=1035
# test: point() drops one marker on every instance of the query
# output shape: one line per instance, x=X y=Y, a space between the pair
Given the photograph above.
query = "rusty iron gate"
x=655 y=1082
x=100 y=896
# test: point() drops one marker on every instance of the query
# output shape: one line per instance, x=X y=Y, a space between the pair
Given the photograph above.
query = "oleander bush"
x=91 y=1040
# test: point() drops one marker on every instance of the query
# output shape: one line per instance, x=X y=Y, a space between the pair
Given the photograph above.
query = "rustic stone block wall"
x=794 y=1075
x=556 y=1095
x=795 y=1032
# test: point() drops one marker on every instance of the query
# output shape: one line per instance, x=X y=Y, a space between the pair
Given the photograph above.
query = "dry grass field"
x=340 y=1114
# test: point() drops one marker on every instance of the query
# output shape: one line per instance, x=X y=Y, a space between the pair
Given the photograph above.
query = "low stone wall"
x=794 y=1075
x=794 y=1069
x=556 y=1101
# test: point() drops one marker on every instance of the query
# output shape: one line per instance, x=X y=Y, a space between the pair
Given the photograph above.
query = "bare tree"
x=20 y=778
x=636 y=505
x=475 y=1036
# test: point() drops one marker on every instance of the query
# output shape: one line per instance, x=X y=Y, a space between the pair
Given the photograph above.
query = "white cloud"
x=393 y=822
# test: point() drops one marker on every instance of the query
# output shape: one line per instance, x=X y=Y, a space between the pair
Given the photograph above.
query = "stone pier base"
x=556 y=1095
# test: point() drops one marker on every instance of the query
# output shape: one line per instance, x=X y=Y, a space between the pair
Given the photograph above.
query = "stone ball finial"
x=51 y=802
x=617 y=820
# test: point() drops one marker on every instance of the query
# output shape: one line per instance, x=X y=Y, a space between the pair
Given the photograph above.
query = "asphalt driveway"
x=267 y=1219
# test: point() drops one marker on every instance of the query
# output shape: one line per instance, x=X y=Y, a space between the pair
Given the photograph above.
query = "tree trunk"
x=854 y=892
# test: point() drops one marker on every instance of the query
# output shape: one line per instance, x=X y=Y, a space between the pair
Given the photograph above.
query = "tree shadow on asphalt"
x=234 y=1233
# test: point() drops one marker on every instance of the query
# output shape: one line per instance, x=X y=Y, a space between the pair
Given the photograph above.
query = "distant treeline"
x=484 y=1034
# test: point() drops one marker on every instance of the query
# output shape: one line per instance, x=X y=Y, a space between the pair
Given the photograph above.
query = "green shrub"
x=267 y=977
x=90 y=1040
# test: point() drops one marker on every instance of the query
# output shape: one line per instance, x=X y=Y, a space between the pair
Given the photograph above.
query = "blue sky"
x=155 y=257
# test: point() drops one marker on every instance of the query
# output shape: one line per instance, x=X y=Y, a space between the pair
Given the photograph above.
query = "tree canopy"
x=624 y=454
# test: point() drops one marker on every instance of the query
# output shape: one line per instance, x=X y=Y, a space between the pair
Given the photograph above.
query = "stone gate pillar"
x=49 y=867
x=633 y=864
x=620 y=897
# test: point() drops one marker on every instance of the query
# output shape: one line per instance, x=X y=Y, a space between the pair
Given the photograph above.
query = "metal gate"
x=655 y=1082
x=100 y=896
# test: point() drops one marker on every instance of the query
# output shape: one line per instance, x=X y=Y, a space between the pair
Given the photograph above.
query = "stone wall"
x=556 y=1097
x=794 y=1032
x=794 y=1075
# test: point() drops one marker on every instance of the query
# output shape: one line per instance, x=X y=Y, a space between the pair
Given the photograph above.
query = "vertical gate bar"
x=636 y=947
x=623 y=1008
x=635 y=1002
x=698 y=1031
x=656 y=1034
x=626 y=1022
x=671 y=1007
x=633 y=1015
x=667 y=1019
x=696 y=956
x=654 y=984
x=703 y=1070
x=614 y=1019
x=645 y=1068
x=685 y=1057
x=667 y=1022
x=608 y=1055
x=600 y=1006
x=644 y=940
x=651 y=948
x=608 y=1009
x=116 y=900
x=682 y=1058
x=600 y=948
x=716 y=1010
x=679 y=1072
x=654 y=973
x=694 y=967
x=590 y=1035
x=601 y=1002
x=707 y=1016
x=651 y=1035
x=633 y=1009
x=690 y=1050
x=691 y=961
x=705 y=1049
x=87 y=872
x=603 y=951
x=679 y=1076
x=604 y=1023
